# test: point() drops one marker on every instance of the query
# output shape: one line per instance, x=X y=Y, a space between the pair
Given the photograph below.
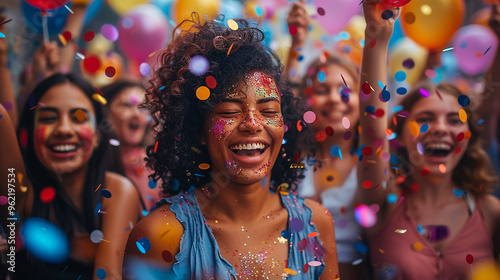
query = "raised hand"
x=298 y=23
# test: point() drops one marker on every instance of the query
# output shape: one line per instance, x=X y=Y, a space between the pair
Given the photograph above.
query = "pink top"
x=400 y=261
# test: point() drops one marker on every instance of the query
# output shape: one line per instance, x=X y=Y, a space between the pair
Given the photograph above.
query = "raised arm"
x=298 y=24
x=489 y=104
x=373 y=129
x=6 y=89
x=74 y=26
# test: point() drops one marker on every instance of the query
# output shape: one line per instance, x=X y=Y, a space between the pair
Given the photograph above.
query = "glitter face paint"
x=219 y=128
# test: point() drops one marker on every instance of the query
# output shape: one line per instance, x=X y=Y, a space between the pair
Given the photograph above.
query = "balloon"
x=143 y=31
x=45 y=5
x=432 y=23
x=45 y=241
x=165 y=6
x=397 y=33
x=475 y=47
x=409 y=57
x=232 y=9
x=184 y=8
x=110 y=69
x=56 y=18
x=123 y=6
x=81 y=2
x=352 y=46
x=337 y=13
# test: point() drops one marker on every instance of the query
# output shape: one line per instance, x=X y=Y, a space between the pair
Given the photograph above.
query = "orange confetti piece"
x=467 y=135
x=203 y=93
x=290 y=271
x=442 y=168
x=204 y=166
x=156 y=147
x=394 y=120
x=313 y=234
x=462 y=115
x=299 y=125
x=97 y=187
x=414 y=129
x=62 y=39
x=230 y=48
x=417 y=246
x=388 y=131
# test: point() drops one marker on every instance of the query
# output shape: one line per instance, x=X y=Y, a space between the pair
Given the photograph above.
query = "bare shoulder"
x=491 y=208
x=320 y=213
x=154 y=241
x=119 y=184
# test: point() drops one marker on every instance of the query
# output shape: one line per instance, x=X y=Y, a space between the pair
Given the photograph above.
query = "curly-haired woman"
x=237 y=219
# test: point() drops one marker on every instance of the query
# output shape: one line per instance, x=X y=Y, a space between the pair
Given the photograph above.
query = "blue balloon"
x=231 y=9
x=165 y=6
x=397 y=33
x=55 y=21
x=92 y=10
x=44 y=240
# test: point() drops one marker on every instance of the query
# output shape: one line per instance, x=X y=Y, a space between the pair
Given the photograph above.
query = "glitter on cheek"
x=219 y=128
x=276 y=121
x=233 y=168
x=262 y=171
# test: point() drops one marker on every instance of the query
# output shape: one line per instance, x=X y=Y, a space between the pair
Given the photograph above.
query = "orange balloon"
x=432 y=23
x=351 y=47
x=481 y=17
x=184 y=8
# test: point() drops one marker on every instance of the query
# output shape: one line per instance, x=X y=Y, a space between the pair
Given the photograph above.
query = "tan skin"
x=329 y=109
x=242 y=194
x=121 y=208
x=434 y=203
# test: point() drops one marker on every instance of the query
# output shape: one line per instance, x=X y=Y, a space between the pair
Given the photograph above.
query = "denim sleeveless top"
x=200 y=257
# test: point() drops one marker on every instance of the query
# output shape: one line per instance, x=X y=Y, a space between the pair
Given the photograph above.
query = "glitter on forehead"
x=264 y=85
x=234 y=91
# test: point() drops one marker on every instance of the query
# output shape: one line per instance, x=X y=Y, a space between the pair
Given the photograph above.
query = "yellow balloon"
x=432 y=23
x=123 y=6
x=184 y=8
x=405 y=53
x=486 y=271
x=356 y=29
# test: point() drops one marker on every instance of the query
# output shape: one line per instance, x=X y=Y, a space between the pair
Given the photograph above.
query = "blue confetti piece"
x=258 y=11
x=392 y=136
x=284 y=141
x=145 y=213
x=458 y=192
x=421 y=229
x=361 y=247
x=385 y=94
x=392 y=198
x=98 y=208
x=335 y=151
x=464 y=100
x=401 y=90
x=321 y=76
x=424 y=128
x=191 y=188
x=400 y=76
x=152 y=184
x=300 y=58
x=100 y=273
x=380 y=84
x=199 y=175
x=161 y=88
x=2 y=35
x=370 y=109
x=480 y=121
x=394 y=159
x=286 y=234
x=144 y=242
x=1 y=116
x=105 y=193
x=398 y=108
x=31 y=100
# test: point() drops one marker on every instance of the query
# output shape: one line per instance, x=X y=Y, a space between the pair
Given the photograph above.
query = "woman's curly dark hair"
x=180 y=116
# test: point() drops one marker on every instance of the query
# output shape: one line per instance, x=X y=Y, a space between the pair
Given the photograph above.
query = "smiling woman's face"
x=243 y=134
x=64 y=129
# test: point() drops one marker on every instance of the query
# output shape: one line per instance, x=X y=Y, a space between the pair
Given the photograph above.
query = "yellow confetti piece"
x=23 y=188
x=203 y=93
x=290 y=271
x=401 y=230
x=417 y=246
x=442 y=168
x=414 y=129
x=204 y=166
x=20 y=176
x=99 y=98
x=285 y=193
x=195 y=150
x=282 y=240
x=62 y=39
x=232 y=24
x=462 y=115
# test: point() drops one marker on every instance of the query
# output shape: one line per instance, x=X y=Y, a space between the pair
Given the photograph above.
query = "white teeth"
x=252 y=146
x=64 y=148
x=438 y=146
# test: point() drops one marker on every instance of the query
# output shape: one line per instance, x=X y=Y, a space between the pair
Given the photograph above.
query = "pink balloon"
x=142 y=32
x=337 y=13
x=474 y=47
